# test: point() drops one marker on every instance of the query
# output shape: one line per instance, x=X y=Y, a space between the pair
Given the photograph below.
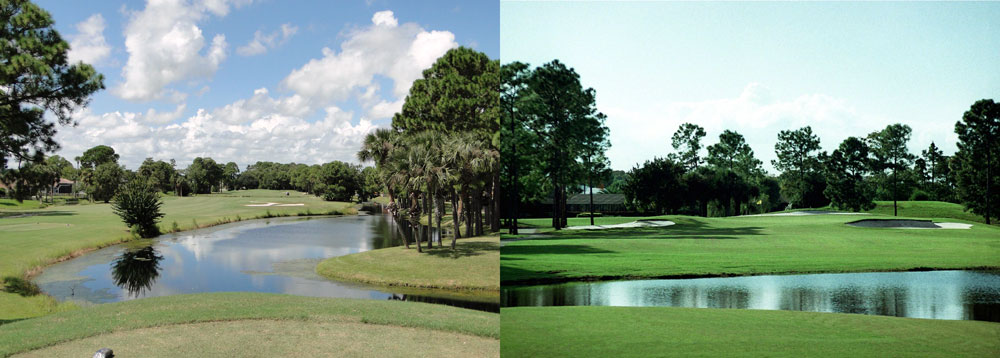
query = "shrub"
x=920 y=195
x=138 y=204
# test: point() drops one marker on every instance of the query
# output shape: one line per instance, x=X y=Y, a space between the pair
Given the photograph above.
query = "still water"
x=276 y=255
x=955 y=295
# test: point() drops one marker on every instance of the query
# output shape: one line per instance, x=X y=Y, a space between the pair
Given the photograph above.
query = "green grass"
x=239 y=324
x=31 y=242
x=699 y=246
x=691 y=332
x=927 y=209
x=471 y=267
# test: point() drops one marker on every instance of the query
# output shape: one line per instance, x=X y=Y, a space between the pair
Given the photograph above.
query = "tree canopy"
x=36 y=78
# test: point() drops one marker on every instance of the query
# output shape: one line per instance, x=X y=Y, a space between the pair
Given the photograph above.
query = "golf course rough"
x=150 y=323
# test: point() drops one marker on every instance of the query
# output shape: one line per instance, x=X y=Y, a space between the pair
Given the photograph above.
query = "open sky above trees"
x=255 y=80
x=843 y=69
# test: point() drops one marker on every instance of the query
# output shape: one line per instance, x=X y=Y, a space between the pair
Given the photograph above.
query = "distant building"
x=603 y=203
x=63 y=186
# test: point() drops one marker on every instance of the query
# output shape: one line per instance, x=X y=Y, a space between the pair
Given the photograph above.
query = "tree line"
x=99 y=175
x=555 y=140
x=442 y=149
x=859 y=171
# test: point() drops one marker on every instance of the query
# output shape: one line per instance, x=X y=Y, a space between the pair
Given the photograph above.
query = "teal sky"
x=846 y=69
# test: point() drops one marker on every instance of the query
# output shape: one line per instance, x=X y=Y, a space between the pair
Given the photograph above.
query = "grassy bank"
x=691 y=332
x=471 y=267
x=168 y=326
x=698 y=246
x=33 y=238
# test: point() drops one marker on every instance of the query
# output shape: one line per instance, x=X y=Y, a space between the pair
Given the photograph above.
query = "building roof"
x=599 y=199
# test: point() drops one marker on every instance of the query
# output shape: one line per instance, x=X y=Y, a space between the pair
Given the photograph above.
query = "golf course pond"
x=277 y=255
x=953 y=295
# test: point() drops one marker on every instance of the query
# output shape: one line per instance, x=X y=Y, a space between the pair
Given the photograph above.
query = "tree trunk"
x=479 y=212
x=469 y=205
x=495 y=204
x=590 y=186
x=454 y=218
x=428 y=204
x=562 y=207
x=456 y=208
x=894 y=210
x=415 y=218
x=440 y=213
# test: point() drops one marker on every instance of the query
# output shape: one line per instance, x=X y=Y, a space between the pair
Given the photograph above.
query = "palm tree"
x=471 y=163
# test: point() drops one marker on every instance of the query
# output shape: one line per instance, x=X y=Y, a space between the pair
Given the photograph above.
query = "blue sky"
x=846 y=69
x=249 y=80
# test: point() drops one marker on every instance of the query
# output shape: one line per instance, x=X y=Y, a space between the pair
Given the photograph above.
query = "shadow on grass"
x=552 y=249
x=24 y=214
x=463 y=249
x=6 y=321
x=683 y=229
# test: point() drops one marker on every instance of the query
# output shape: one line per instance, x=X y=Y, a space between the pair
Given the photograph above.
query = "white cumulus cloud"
x=165 y=45
x=262 y=42
x=88 y=44
x=386 y=48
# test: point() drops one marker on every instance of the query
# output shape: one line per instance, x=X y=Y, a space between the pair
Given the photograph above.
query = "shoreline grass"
x=708 y=332
x=472 y=266
x=115 y=318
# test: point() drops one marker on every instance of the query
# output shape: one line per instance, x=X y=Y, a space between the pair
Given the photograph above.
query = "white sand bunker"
x=276 y=204
x=810 y=212
x=907 y=224
x=639 y=223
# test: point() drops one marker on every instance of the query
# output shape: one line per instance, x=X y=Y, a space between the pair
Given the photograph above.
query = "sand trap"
x=907 y=224
x=810 y=212
x=276 y=204
x=634 y=224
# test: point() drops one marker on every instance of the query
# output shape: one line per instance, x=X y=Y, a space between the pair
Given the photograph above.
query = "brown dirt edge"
x=38 y=269
x=558 y=280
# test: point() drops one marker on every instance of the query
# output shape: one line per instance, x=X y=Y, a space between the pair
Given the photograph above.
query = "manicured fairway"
x=34 y=238
x=249 y=324
x=698 y=246
x=471 y=267
x=691 y=332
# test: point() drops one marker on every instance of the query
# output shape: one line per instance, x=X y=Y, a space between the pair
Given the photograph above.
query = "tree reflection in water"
x=136 y=270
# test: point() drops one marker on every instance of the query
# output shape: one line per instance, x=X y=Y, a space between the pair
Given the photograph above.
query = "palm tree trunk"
x=427 y=208
x=456 y=207
x=467 y=204
x=495 y=203
x=478 y=199
x=415 y=218
x=440 y=213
